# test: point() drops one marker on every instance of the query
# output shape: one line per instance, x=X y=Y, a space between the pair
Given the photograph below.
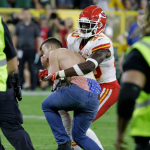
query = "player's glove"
x=57 y=75
x=43 y=74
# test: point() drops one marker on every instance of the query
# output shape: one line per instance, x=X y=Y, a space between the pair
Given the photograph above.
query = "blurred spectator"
x=64 y=4
x=143 y=4
x=27 y=78
x=46 y=4
x=44 y=31
x=64 y=30
x=117 y=4
x=3 y=3
x=127 y=4
x=43 y=28
x=11 y=28
x=130 y=4
x=23 y=4
x=11 y=3
x=15 y=3
x=135 y=30
x=81 y=4
x=54 y=30
x=104 y=4
x=122 y=48
x=25 y=38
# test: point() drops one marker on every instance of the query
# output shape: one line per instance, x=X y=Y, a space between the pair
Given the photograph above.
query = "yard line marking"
x=34 y=93
x=33 y=117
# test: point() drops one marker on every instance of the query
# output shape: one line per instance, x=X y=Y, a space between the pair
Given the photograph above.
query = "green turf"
x=41 y=134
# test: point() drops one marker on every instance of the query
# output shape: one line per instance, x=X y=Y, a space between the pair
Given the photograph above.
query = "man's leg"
x=81 y=123
x=67 y=123
x=50 y=107
x=72 y=98
x=11 y=120
x=17 y=136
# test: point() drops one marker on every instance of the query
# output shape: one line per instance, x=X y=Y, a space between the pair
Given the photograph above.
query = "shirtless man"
x=81 y=95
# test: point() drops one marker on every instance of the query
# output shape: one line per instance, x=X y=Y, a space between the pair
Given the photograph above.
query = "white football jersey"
x=106 y=71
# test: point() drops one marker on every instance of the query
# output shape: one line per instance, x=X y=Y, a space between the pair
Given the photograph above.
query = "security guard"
x=8 y=63
x=135 y=92
x=10 y=115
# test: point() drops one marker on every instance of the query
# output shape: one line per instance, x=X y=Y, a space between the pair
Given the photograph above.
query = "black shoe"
x=66 y=146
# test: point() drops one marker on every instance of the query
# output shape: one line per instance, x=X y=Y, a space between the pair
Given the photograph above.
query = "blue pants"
x=85 y=105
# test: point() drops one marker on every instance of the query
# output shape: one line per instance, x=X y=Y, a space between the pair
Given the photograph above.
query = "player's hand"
x=43 y=74
x=120 y=144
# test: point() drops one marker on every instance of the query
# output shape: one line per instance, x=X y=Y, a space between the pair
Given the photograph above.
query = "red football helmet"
x=95 y=20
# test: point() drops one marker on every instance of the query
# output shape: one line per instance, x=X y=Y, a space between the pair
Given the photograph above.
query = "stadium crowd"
x=50 y=25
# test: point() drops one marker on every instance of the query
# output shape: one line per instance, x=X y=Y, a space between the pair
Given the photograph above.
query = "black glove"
x=16 y=85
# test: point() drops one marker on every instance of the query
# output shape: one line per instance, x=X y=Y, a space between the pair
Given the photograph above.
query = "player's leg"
x=107 y=99
x=93 y=136
x=67 y=121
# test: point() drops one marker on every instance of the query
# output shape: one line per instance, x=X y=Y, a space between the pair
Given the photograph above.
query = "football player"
x=90 y=42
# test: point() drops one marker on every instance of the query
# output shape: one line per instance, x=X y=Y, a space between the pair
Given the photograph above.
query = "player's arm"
x=86 y=67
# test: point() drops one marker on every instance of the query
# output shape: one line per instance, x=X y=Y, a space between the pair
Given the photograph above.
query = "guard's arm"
x=86 y=67
x=10 y=52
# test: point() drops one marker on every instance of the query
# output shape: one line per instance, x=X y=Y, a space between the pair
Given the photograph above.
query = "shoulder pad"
x=72 y=36
x=100 y=42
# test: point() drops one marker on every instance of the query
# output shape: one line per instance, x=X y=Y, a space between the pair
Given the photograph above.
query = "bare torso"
x=64 y=60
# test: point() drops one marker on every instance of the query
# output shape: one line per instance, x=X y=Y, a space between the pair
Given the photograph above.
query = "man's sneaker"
x=66 y=146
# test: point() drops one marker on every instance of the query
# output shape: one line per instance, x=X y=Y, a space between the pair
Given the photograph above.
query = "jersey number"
x=98 y=73
x=75 y=34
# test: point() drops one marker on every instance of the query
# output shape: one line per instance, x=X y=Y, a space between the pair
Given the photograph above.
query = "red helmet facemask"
x=91 y=22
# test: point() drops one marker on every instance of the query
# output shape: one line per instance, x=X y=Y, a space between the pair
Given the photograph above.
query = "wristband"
x=78 y=70
x=94 y=61
x=61 y=74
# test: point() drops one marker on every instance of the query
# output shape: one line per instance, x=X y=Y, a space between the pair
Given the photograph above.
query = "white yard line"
x=34 y=117
x=35 y=93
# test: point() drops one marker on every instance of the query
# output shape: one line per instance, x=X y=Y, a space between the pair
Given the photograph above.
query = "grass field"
x=37 y=127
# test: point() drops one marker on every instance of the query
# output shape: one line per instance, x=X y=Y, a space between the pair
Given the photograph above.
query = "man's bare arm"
x=88 y=66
